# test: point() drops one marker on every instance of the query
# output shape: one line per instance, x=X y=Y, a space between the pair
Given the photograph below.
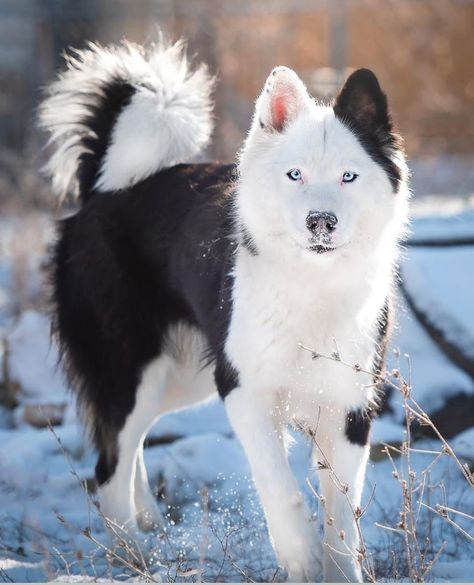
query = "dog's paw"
x=150 y=518
x=307 y=570
x=130 y=546
x=341 y=569
x=147 y=515
x=303 y=563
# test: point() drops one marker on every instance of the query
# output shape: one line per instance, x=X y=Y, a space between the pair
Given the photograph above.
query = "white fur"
x=347 y=467
x=168 y=121
x=288 y=295
x=120 y=500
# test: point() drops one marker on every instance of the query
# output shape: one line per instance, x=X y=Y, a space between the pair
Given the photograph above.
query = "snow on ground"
x=215 y=526
x=428 y=367
x=446 y=300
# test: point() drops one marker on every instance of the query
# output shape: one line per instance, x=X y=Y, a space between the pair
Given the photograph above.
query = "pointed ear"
x=362 y=103
x=283 y=97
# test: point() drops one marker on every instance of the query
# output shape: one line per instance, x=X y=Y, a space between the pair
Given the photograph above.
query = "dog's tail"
x=118 y=114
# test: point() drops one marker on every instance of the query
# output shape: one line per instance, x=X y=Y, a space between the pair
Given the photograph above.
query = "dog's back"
x=119 y=286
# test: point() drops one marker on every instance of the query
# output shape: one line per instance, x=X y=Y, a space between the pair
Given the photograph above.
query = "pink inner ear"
x=280 y=111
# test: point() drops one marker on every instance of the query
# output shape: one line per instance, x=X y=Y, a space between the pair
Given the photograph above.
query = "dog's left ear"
x=283 y=97
x=363 y=104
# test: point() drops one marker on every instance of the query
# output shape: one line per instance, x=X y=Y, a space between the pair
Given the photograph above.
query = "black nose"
x=321 y=222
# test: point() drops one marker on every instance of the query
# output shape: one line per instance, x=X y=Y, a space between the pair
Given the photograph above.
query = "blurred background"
x=422 y=52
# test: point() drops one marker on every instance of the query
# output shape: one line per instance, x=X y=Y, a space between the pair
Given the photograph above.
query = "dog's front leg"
x=342 y=464
x=292 y=531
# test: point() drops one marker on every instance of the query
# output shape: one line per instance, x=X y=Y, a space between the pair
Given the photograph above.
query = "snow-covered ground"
x=50 y=528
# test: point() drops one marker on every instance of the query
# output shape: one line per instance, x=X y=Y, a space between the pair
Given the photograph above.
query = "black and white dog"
x=177 y=280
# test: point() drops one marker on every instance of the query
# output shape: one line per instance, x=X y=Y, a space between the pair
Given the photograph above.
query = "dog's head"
x=322 y=178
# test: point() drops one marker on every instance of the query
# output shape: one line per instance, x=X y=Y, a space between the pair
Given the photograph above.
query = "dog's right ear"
x=283 y=97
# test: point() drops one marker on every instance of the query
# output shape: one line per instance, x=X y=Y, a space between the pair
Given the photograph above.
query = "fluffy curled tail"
x=118 y=114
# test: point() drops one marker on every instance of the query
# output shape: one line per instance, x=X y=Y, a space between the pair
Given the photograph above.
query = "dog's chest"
x=276 y=317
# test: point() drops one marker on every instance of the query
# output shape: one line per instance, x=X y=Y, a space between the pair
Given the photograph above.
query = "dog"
x=268 y=281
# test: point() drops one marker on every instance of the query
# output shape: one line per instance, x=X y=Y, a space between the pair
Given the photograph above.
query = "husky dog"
x=175 y=280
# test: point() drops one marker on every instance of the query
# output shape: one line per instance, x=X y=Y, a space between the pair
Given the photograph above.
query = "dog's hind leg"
x=172 y=381
x=126 y=491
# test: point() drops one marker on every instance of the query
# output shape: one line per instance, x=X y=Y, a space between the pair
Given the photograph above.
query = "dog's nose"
x=321 y=222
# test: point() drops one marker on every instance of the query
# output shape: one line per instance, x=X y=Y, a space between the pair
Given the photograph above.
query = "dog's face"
x=319 y=178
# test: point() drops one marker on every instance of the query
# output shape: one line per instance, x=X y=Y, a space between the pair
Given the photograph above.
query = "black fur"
x=248 y=242
x=362 y=106
x=383 y=334
x=358 y=423
x=384 y=389
x=115 y=96
x=226 y=376
x=126 y=267
x=107 y=461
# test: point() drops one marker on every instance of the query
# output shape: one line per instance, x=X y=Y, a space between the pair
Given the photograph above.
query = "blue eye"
x=349 y=177
x=294 y=174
